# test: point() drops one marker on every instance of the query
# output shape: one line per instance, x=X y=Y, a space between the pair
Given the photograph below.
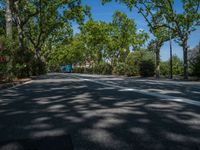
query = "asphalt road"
x=104 y=112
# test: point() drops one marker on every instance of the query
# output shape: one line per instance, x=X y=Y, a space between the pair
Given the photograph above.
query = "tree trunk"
x=20 y=36
x=171 y=60
x=19 y=28
x=8 y=16
x=157 y=63
x=185 y=58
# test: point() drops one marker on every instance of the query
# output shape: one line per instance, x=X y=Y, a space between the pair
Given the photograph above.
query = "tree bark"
x=157 y=63
x=20 y=35
x=19 y=29
x=8 y=16
x=185 y=58
x=171 y=60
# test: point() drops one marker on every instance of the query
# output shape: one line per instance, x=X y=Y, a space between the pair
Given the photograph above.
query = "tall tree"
x=8 y=16
x=124 y=36
x=149 y=13
x=95 y=36
x=36 y=20
x=183 y=23
x=180 y=23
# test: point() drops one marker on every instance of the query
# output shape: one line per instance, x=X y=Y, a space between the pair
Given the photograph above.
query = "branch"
x=145 y=17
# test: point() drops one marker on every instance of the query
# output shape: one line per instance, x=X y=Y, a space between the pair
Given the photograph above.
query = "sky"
x=105 y=12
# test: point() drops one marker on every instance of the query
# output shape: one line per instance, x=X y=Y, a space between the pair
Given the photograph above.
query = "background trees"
x=163 y=15
x=35 y=22
x=44 y=34
x=194 y=60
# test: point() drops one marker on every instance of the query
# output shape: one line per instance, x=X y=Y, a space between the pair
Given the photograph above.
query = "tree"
x=194 y=60
x=2 y=22
x=133 y=63
x=181 y=24
x=150 y=14
x=95 y=36
x=37 y=20
x=8 y=16
x=124 y=36
x=184 y=24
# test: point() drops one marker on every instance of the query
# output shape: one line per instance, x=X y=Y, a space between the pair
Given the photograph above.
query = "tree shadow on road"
x=97 y=117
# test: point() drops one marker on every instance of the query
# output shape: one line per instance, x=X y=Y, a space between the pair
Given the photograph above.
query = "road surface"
x=104 y=112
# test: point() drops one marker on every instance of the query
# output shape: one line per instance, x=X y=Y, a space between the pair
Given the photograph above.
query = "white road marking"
x=146 y=92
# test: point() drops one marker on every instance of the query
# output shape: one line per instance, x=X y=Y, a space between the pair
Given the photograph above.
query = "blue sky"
x=105 y=12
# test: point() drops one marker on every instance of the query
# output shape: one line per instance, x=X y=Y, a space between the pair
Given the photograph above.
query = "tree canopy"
x=39 y=36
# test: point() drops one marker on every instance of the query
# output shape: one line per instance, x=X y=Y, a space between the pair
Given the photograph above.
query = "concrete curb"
x=13 y=84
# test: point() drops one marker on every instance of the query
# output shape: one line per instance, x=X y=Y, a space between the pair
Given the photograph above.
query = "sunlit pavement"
x=104 y=112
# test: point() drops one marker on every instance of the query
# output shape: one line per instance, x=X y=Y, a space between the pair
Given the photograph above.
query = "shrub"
x=132 y=63
x=177 y=66
x=7 y=67
x=164 y=69
x=88 y=70
x=119 y=69
x=22 y=62
x=78 y=70
x=102 y=68
x=38 y=67
x=147 y=68
x=196 y=66
x=194 y=59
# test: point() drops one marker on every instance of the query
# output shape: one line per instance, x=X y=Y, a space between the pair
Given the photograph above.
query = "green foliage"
x=6 y=68
x=2 y=22
x=162 y=19
x=20 y=63
x=79 y=70
x=147 y=68
x=165 y=69
x=95 y=37
x=147 y=64
x=119 y=69
x=102 y=68
x=46 y=40
x=177 y=67
x=194 y=56
x=38 y=67
x=196 y=67
x=123 y=36
x=133 y=63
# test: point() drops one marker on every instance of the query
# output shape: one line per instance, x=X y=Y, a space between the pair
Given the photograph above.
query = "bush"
x=38 y=67
x=102 y=68
x=78 y=70
x=88 y=70
x=7 y=67
x=164 y=69
x=177 y=67
x=194 y=59
x=196 y=66
x=119 y=69
x=22 y=62
x=132 y=63
x=147 y=68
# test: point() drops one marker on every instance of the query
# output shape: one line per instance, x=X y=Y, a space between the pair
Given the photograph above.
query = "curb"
x=14 y=84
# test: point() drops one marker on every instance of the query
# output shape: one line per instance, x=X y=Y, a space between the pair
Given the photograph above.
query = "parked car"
x=67 y=68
